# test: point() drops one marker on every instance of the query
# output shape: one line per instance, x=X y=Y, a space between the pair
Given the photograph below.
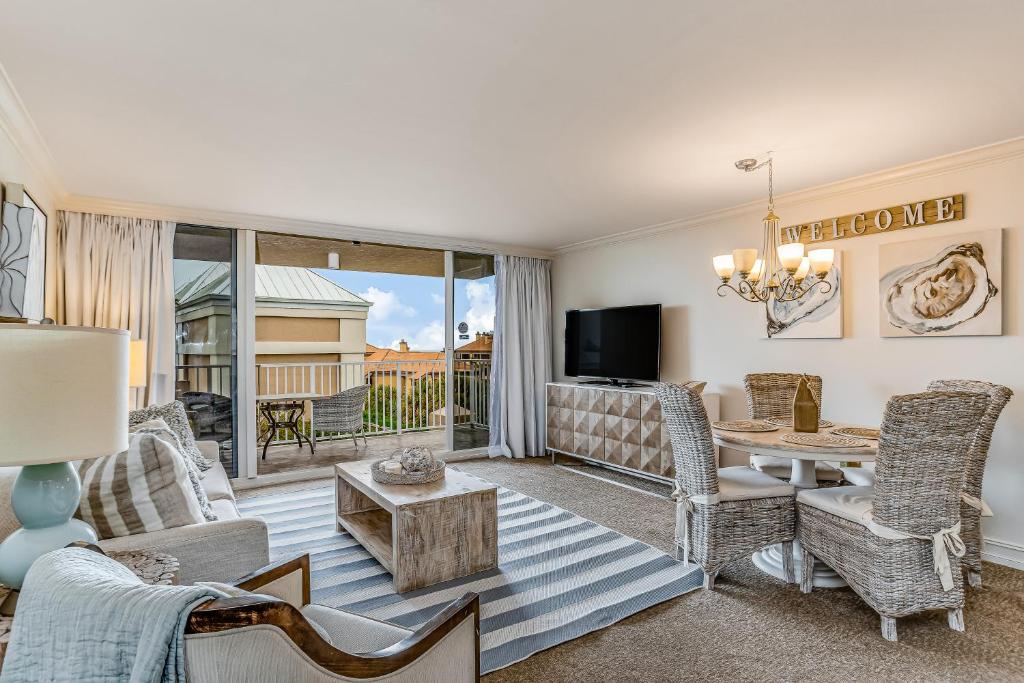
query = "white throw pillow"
x=145 y=488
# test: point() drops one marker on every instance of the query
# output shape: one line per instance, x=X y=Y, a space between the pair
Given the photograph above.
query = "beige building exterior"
x=301 y=317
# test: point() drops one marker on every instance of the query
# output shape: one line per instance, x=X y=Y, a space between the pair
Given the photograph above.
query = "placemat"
x=820 y=439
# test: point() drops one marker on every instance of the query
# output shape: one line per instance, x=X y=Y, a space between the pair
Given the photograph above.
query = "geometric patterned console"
x=618 y=427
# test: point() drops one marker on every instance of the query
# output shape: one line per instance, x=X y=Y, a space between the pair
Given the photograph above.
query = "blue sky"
x=411 y=307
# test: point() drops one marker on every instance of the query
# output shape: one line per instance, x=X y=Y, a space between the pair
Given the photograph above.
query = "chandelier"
x=780 y=273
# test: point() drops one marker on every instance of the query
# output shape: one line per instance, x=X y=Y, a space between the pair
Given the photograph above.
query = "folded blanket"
x=81 y=616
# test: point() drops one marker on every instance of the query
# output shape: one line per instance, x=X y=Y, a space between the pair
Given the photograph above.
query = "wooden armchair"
x=270 y=636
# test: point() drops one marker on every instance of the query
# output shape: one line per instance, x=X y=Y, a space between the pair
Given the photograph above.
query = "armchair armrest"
x=287 y=580
x=226 y=614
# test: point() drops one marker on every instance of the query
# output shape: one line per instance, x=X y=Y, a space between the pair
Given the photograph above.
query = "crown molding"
x=995 y=153
x=17 y=123
x=291 y=226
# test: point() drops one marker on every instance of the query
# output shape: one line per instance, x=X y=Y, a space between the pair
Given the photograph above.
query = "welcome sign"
x=890 y=219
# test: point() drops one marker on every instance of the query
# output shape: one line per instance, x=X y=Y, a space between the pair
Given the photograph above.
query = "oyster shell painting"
x=941 y=287
x=816 y=315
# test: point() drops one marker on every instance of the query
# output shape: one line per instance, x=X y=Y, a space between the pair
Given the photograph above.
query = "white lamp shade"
x=724 y=265
x=790 y=255
x=802 y=269
x=63 y=393
x=821 y=260
x=137 y=375
x=333 y=260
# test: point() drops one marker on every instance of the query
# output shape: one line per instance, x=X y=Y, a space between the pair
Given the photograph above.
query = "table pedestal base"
x=769 y=561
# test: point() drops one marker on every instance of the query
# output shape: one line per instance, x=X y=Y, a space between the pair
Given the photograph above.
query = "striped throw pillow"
x=145 y=488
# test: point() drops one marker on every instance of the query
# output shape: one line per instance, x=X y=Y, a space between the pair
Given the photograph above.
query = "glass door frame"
x=245 y=356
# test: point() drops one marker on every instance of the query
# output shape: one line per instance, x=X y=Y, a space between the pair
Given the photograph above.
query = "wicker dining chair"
x=971 y=506
x=723 y=514
x=342 y=412
x=897 y=544
x=770 y=394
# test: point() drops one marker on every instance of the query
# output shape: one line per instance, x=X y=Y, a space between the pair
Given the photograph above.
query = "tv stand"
x=613 y=426
x=614 y=383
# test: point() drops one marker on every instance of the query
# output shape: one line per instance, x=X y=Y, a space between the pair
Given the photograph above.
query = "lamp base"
x=44 y=499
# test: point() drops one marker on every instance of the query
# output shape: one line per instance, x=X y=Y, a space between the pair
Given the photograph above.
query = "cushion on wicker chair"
x=860 y=476
x=743 y=483
x=849 y=502
x=783 y=468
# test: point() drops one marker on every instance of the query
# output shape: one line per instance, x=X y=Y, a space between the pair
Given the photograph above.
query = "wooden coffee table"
x=425 y=533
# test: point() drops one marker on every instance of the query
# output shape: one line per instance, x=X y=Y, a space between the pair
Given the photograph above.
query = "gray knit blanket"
x=83 y=617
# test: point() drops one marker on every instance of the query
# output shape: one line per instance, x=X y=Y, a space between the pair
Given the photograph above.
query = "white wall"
x=720 y=339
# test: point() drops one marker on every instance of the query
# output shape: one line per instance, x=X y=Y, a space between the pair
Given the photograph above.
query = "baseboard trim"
x=1003 y=552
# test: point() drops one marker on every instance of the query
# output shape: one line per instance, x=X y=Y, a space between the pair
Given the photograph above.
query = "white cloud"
x=428 y=338
x=438 y=299
x=385 y=305
x=480 y=316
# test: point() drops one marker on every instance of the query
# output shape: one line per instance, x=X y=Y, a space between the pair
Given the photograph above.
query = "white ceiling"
x=531 y=122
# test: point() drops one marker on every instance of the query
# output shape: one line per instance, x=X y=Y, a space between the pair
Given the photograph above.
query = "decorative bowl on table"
x=416 y=465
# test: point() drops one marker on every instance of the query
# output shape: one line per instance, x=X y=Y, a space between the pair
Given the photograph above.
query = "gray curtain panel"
x=521 y=356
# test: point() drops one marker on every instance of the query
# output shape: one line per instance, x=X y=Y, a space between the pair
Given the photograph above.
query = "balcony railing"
x=404 y=395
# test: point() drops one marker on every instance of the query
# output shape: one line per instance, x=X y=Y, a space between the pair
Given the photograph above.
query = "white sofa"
x=224 y=551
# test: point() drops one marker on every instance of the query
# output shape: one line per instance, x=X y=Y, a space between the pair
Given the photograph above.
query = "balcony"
x=405 y=407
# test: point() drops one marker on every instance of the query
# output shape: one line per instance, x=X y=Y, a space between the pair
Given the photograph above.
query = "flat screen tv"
x=614 y=343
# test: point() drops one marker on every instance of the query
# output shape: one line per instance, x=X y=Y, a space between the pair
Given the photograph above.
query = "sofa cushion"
x=216 y=483
x=225 y=509
x=160 y=429
x=852 y=503
x=744 y=483
x=783 y=468
x=144 y=488
x=174 y=415
x=353 y=633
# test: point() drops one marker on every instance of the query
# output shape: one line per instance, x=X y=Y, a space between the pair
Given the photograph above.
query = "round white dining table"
x=802 y=476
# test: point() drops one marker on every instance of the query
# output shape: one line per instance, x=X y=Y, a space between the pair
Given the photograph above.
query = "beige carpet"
x=753 y=627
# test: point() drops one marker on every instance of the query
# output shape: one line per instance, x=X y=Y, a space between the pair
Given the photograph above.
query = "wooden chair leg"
x=956 y=619
x=709 y=580
x=806 y=570
x=889 y=629
x=973 y=578
x=787 y=562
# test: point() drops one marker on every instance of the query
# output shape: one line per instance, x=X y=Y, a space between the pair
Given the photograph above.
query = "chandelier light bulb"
x=802 y=269
x=790 y=255
x=724 y=266
x=757 y=272
x=821 y=260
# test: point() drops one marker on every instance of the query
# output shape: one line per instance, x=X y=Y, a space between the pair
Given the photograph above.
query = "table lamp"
x=63 y=397
x=137 y=376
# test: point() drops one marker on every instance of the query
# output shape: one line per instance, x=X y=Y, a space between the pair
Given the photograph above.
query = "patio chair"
x=342 y=412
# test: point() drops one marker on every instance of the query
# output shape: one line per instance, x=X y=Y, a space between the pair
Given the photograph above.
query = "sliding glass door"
x=472 y=306
x=205 y=296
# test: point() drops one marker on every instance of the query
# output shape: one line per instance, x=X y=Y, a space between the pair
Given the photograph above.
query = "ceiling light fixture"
x=780 y=272
x=334 y=260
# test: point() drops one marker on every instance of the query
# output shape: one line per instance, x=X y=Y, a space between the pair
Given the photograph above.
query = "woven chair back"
x=922 y=453
x=770 y=394
x=693 y=450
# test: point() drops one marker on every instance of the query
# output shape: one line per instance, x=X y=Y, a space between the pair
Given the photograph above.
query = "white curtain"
x=118 y=272
x=521 y=355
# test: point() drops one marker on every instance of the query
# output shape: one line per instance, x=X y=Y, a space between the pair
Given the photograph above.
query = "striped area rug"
x=559 y=577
